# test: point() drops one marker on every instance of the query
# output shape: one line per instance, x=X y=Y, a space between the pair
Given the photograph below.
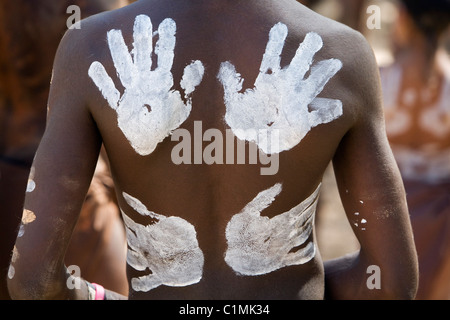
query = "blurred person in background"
x=201 y=245
x=416 y=89
x=30 y=32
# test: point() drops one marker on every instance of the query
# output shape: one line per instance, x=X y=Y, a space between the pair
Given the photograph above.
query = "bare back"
x=218 y=140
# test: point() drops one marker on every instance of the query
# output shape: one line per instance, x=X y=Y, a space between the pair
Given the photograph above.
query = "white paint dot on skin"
x=11 y=272
x=282 y=99
x=31 y=185
x=21 y=231
x=360 y=201
x=363 y=221
x=149 y=109
x=168 y=247
x=15 y=255
x=356 y=213
x=258 y=245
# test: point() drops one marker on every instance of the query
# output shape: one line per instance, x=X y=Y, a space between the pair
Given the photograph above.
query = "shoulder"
x=357 y=84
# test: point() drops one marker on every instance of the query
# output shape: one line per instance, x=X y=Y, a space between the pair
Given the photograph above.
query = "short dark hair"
x=431 y=16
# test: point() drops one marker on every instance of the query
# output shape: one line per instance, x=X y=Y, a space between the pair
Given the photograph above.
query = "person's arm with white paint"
x=62 y=171
x=373 y=197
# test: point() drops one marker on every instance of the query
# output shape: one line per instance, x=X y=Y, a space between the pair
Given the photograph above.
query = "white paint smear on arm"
x=168 y=249
x=258 y=245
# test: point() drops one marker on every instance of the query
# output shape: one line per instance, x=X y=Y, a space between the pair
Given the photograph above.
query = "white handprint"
x=282 y=99
x=149 y=109
x=168 y=248
x=259 y=245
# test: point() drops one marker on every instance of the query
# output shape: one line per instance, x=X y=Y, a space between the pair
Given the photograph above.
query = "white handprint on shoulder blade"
x=258 y=245
x=168 y=248
x=282 y=98
x=149 y=109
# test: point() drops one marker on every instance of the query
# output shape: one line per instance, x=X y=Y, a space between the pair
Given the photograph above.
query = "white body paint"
x=282 y=99
x=429 y=163
x=149 y=110
x=168 y=248
x=14 y=257
x=258 y=245
x=31 y=185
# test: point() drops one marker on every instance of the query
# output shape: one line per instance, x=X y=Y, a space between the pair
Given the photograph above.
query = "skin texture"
x=417 y=89
x=27 y=48
x=208 y=196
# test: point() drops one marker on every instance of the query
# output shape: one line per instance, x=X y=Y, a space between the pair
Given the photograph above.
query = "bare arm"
x=61 y=175
x=375 y=203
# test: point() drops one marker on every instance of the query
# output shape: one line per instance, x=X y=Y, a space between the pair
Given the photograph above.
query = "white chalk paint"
x=428 y=163
x=258 y=245
x=14 y=257
x=359 y=223
x=28 y=216
x=31 y=185
x=149 y=109
x=11 y=272
x=282 y=98
x=167 y=248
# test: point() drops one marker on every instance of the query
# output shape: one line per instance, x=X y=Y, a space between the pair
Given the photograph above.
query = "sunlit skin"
x=208 y=196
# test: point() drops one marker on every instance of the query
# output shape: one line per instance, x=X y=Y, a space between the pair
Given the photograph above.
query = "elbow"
x=403 y=283
x=23 y=285
x=404 y=289
x=18 y=285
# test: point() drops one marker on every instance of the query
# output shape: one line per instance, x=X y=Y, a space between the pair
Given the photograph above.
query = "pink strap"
x=99 y=292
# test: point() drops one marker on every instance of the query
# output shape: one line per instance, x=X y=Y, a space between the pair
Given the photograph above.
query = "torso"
x=203 y=197
x=417 y=122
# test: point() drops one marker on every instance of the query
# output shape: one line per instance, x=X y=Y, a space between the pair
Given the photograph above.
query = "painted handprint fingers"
x=105 y=84
x=301 y=232
x=121 y=57
x=262 y=200
x=166 y=44
x=301 y=256
x=143 y=43
x=271 y=59
x=303 y=58
x=146 y=283
x=230 y=79
x=324 y=110
x=140 y=208
x=192 y=76
x=321 y=73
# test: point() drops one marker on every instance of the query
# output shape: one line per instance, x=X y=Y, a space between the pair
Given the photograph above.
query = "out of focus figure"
x=416 y=89
x=30 y=31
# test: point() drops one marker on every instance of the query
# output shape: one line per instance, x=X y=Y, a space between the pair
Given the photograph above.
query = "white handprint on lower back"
x=281 y=98
x=168 y=248
x=149 y=110
x=259 y=245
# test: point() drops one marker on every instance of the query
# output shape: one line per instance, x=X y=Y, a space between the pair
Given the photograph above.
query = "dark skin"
x=209 y=195
x=26 y=59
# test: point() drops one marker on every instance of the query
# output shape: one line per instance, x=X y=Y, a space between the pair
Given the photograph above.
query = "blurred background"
x=411 y=42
